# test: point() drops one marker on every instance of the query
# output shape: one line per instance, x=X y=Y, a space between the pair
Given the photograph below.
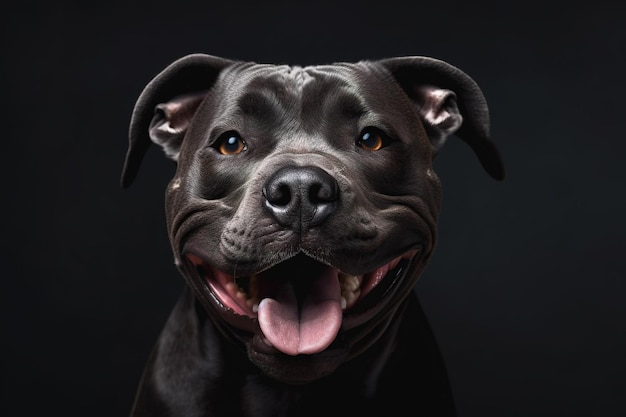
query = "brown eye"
x=230 y=143
x=372 y=140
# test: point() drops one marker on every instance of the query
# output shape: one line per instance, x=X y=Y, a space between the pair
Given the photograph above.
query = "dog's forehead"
x=349 y=88
x=295 y=78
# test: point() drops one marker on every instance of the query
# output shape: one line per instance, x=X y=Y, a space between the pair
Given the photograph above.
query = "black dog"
x=302 y=212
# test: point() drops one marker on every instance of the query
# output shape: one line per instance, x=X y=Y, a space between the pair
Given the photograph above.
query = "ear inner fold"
x=171 y=120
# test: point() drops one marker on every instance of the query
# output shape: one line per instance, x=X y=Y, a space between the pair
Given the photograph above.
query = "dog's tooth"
x=231 y=287
x=241 y=295
x=349 y=282
x=350 y=289
x=255 y=307
x=350 y=297
x=253 y=287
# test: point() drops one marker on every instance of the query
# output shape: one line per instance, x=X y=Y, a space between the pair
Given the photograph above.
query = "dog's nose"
x=301 y=197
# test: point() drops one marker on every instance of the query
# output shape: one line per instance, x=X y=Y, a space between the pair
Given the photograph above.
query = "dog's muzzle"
x=303 y=311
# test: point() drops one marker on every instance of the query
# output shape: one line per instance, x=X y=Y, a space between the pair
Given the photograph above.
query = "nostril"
x=278 y=194
x=323 y=192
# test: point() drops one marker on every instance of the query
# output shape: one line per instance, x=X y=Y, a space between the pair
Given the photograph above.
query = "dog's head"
x=304 y=205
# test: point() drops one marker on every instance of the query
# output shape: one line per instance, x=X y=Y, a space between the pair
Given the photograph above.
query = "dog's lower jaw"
x=303 y=369
x=298 y=369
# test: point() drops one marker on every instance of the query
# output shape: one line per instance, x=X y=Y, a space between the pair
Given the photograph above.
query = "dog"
x=301 y=214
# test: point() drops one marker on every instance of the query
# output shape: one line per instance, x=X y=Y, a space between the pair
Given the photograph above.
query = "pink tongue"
x=309 y=330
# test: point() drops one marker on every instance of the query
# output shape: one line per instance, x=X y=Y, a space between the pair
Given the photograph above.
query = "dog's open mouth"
x=300 y=303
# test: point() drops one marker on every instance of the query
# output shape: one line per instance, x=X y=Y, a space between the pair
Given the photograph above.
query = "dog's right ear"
x=166 y=106
x=450 y=102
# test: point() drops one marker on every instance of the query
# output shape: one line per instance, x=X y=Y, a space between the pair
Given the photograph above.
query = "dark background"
x=527 y=289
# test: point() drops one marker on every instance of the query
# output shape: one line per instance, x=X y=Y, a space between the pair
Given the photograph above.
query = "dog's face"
x=304 y=205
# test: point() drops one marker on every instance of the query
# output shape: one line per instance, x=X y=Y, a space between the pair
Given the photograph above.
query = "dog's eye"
x=372 y=140
x=230 y=143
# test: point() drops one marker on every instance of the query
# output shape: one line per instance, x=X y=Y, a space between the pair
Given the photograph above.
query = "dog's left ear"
x=166 y=106
x=449 y=102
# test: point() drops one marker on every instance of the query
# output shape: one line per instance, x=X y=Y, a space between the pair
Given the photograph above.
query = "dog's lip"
x=241 y=311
